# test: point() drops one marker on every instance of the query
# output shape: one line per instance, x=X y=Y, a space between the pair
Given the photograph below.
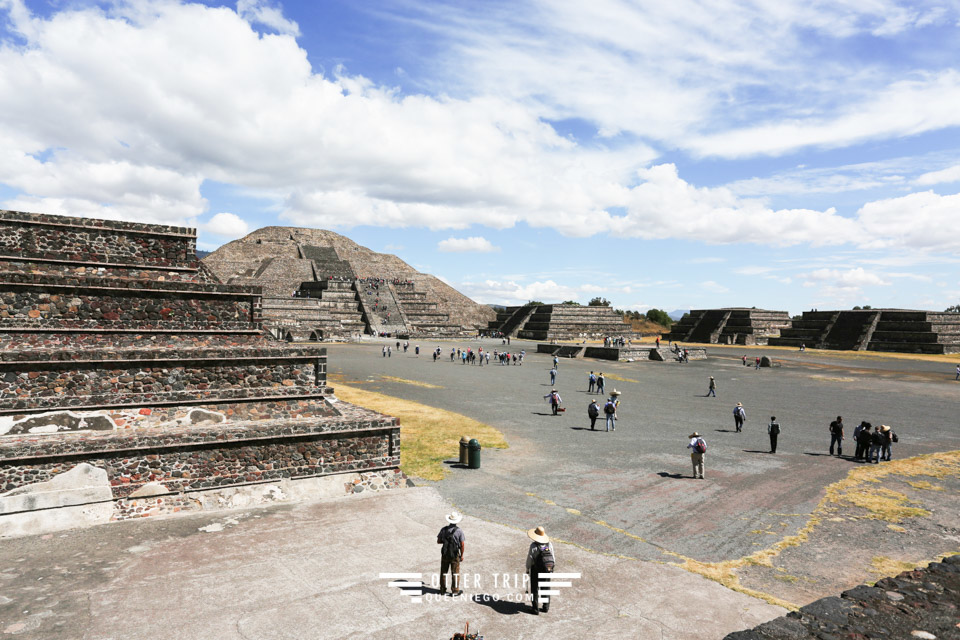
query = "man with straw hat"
x=451 y=553
x=540 y=559
x=739 y=415
x=610 y=410
x=699 y=447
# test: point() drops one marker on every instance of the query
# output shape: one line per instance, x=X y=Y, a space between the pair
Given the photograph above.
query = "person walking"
x=593 y=412
x=600 y=383
x=712 y=390
x=541 y=558
x=556 y=362
x=958 y=373
x=384 y=351
x=389 y=352
x=554 y=399
x=610 y=410
x=451 y=553
x=758 y=362
x=591 y=382
x=856 y=440
x=417 y=350
x=739 y=415
x=553 y=376
x=773 y=430
x=836 y=435
x=699 y=449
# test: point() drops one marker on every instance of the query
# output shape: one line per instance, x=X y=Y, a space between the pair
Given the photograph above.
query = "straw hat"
x=454 y=517
x=694 y=435
x=538 y=534
x=884 y=427
x=614 y=393
x=739 y=404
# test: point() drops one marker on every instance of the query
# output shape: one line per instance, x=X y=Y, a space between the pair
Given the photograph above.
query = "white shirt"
x=693 y=443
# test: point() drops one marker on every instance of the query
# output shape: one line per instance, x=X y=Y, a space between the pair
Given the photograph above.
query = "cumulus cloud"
x=510 y=292
x=950 y=174
x=855 y=278
x=476 y=244
x=230 y=104
x=227 y=225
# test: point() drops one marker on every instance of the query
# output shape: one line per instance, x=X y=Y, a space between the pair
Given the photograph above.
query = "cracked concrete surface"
x=312 y=571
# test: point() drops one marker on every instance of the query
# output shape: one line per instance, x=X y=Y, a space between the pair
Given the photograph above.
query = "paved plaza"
x=622 y=507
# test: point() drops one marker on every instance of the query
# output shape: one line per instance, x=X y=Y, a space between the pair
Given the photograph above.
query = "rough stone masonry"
x=133 y=383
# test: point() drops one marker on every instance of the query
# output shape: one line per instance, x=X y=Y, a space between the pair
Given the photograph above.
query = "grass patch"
x=884 y=566
x=415 y=383
x=883 y=504
x=428 y=435
x=923 y=484
x=613 y=376
x=834 y=378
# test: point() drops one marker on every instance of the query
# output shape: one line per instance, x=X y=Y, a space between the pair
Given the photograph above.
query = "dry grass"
x=884 y=566
x=613 y=376
x=923 y=484
x=428 y=435
x=834 y=378
x=415 y=383
x=952 y=358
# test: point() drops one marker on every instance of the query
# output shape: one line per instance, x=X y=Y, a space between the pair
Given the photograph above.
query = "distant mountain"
x=202 y=254
x=676 y=314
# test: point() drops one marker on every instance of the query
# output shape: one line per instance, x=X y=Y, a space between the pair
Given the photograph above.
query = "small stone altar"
x=134 y=383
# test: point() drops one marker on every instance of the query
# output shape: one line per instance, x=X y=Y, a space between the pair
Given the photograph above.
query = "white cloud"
x=918 y=220
x=510 y=292
x=950 y=174
x=472 y=244
x=227 y=225
x=855 y=278
x=713 y=287
x=259 y=12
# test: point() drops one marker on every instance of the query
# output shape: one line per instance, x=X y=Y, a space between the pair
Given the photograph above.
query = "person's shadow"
x=725 y=430
x=675 y=476
x=754 y=451
x=505 y=607
x=538 y=413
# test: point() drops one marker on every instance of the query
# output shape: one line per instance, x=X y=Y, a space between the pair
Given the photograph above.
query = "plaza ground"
x=626 y=515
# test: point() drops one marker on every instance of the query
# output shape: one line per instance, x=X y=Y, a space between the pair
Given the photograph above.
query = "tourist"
x=858 y=452
x=658 y=342
x=384 y=351
x=556 y=362
x=744 y=359
x=600 y=383
x=758 y=362
x=541 y=558
x=553 y=375
x=406 y=345
x=836 y=435
x=889 y=437
x=958 y=373
x=389 y=352
x=739 y=415
x=773 y=430
x=451 y=553
x=699 y=448
x=591 y=382
x=876 y=444
x=593 y=412
x=712 y=389
x=610 y=412
x=417 y=350
x=554 y=399
x=488 y=357
x=864 y=439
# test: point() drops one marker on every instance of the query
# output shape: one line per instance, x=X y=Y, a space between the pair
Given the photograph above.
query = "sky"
x=788 y=154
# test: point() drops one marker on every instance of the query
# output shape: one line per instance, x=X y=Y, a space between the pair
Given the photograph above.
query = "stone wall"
x=138 y=389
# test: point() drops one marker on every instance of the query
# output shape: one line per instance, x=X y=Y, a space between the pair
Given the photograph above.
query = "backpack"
x=738 y=411
x=545 y=561
x=593 y=411
x=895 y=438
x=775 y=428
x=450 y=548
x=700 y=446
x=609 y=408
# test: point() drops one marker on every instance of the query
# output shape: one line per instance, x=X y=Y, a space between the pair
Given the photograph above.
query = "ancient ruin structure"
x=560 y=322
x=900 y=330
x=133 y=383
x=729 y=326
x=342 y=288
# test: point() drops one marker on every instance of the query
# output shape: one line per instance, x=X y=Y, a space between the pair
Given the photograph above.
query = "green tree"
x=953 y=309
x=599 y=302
x=573 y=302
x=659 y=316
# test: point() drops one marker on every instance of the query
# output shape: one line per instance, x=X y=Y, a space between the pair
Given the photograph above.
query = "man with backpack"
x=739 y=415
x=451 y=553
x=864 y=439
x=593 y=412
x=773 y=430
x=712 y=390
x=889 y=437
x=591 y=382
x=699 y=448
x=540 y=559
x=876 y=444
x=836 y=435
x=610 y=411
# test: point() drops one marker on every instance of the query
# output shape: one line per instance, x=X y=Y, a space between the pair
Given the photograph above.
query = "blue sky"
x=787 y=155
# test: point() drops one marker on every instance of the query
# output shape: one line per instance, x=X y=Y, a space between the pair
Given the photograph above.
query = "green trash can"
x=464 y=443
x=474 y=448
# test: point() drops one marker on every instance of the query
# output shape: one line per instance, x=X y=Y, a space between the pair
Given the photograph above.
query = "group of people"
x=874 y=444
x=541 y=559
x=615 y=341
